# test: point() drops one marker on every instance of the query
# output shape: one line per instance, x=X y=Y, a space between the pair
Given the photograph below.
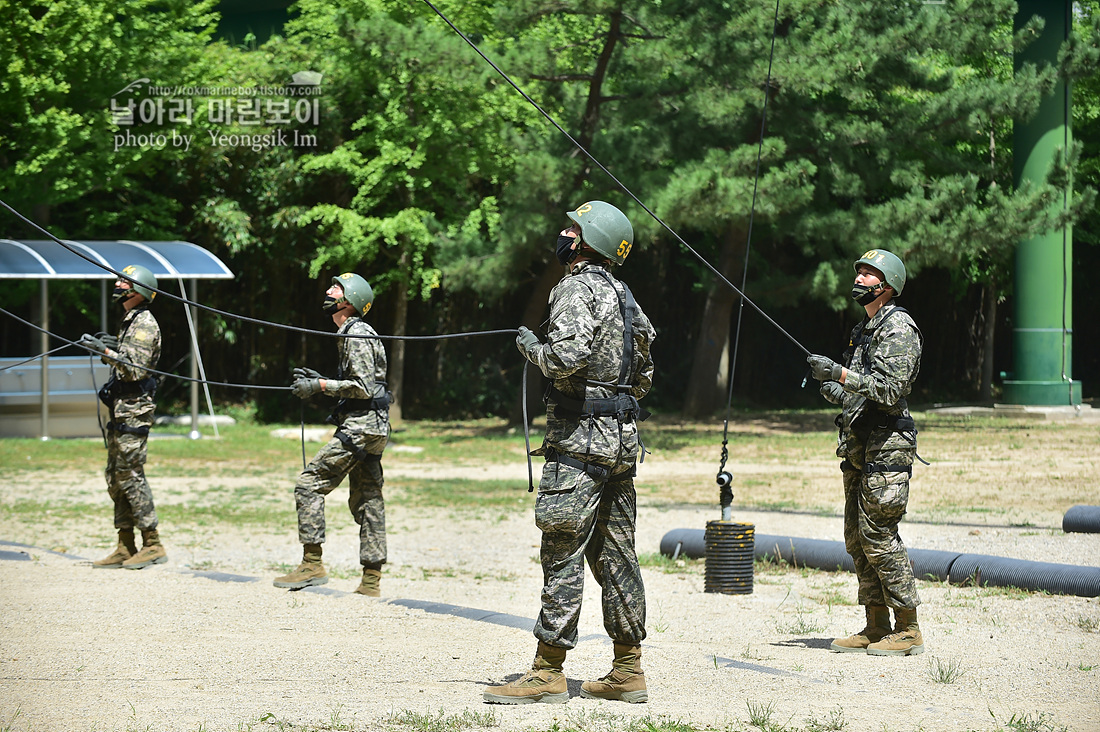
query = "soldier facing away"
x=877 y=442
x=597 y=357
x=362 y=424
x=129 y=395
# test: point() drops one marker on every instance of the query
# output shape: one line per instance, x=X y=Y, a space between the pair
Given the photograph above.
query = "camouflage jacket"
x=138 y=344
x=884 y=361
x=583 y=356
x=361 y=375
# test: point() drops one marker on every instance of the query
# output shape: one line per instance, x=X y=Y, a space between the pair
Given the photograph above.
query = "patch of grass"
x=802 y=623
x=1011 y=593
x=681 y=565
x=833 y=722
x=471 y=494
x=441 y=722
x=1087 y=624
x=9 y=726
x=1039 y=722
x=945 y=671
x=760 y=716
x=598 y=720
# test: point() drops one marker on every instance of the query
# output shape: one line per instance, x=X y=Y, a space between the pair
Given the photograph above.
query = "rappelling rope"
x=619 y=183
x=723 y=478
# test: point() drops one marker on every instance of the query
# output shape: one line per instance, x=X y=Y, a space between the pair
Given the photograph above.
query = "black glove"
x=304 y=388
x=832 y=391
x=825 y=368
x=304 y=373
x=111 y=341
x=92 y=343
x=526 y=340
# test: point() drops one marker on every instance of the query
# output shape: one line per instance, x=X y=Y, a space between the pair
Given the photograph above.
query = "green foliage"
x=63 y=63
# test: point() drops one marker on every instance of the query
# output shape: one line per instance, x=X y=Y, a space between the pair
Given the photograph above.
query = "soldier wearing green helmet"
x=597 y=356
x=877 y=444
x=362 y=424
x=129 y=395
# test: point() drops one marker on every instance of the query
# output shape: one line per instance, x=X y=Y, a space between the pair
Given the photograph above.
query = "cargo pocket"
x=564 y=500
x=887 y=494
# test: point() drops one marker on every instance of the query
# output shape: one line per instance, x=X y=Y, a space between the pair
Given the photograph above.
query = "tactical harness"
x=874 y=417
x=347 y=406
x=116 y=389
x=359 y=453
x=623 y=406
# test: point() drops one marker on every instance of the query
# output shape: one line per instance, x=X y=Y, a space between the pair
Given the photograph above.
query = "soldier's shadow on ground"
x=573 y=685
x=823 y=643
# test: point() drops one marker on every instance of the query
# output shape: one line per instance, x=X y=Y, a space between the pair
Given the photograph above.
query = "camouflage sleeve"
x=363 y=359
x=895 y=361
x=644 y=334
x=138 y=345
x=568 y=345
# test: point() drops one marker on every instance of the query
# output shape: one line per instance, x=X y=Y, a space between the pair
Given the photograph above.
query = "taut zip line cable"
x=523 y=390
x=245 y=318
x=619 y=183
x=128 y=363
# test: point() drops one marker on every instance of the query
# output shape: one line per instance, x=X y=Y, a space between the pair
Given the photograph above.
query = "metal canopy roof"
x=46 y=259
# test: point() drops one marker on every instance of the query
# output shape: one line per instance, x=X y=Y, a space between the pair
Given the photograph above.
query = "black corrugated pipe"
x=1065 y=579
x=1082 y=520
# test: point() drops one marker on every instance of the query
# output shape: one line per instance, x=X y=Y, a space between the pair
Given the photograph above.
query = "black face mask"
x=119 y=294
x=564 y=253
x=865 y=295
x=331 y=305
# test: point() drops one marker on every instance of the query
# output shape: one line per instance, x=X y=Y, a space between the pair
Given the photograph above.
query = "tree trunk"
x=535 y=312
x=989 y=309
x=708 y=384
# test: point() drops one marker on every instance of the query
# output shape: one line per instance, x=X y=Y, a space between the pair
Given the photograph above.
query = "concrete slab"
x=1023 y=411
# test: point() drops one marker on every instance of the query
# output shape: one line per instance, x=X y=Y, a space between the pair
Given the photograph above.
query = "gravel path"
x=173 y=647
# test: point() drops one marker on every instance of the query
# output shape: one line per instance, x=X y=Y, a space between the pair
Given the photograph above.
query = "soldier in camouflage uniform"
x=597 y=354
x=362 y=429
x=129 y=394
x=878 y=441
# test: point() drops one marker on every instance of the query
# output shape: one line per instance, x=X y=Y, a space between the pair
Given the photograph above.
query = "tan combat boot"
x=126 y=548
x=906 y=639
x=626 y=682
x=370 y=584
x=878 y=627
x=310 y=572
x=152 y=552
x=545 y=682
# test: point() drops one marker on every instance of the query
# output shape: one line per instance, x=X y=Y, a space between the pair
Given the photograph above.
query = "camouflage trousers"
x=874 y=504
x=581 y=519
x=325 y=471
x=125 y=474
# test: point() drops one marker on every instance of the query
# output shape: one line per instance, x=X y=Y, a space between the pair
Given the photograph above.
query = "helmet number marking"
x=624 y=248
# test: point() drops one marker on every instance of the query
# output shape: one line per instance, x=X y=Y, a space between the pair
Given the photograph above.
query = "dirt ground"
x=206 y=643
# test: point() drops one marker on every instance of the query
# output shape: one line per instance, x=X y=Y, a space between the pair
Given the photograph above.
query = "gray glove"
x=111 y=341
x=832 y=391
x=526 y=340
x=825 y=368
x=304 y=373
x=304 y=388
x=92 y=343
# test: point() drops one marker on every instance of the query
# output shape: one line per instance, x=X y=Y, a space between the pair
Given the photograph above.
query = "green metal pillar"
x=1042 y=337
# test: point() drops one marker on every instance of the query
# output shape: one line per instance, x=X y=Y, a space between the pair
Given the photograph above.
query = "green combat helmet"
x=356 y=291
x=888 y=263
x=141 y=279
x=604 y=228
